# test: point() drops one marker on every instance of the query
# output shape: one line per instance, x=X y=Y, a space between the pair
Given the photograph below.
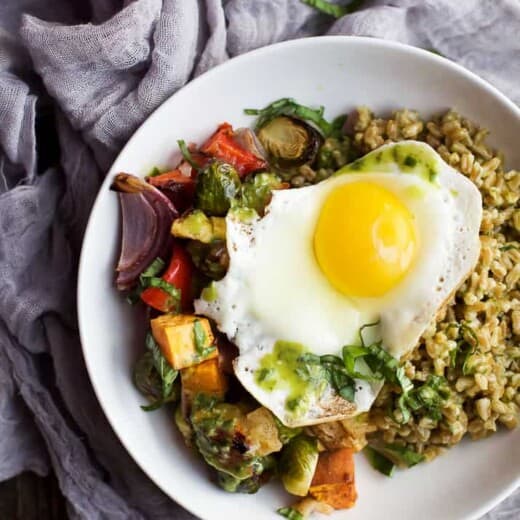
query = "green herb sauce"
x=285 y=369
x=409 y=158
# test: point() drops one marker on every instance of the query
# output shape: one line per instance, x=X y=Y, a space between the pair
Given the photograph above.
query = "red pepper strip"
x=175 y=176
x=221 y=145
x=179 y=274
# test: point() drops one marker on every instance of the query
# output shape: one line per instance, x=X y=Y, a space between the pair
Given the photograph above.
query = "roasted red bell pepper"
x=179 y=274
x=223 y=146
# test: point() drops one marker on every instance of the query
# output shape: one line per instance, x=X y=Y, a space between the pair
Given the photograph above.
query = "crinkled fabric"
x=101 y=67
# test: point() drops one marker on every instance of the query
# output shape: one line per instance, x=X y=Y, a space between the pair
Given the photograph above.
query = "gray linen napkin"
x=100 y=80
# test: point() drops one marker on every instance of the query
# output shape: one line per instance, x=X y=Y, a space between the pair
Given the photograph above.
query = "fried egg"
x=386 y=239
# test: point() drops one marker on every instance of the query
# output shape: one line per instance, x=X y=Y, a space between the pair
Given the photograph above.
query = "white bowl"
x=340 y=73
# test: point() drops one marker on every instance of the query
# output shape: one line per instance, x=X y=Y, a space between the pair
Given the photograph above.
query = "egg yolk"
x=365 y=239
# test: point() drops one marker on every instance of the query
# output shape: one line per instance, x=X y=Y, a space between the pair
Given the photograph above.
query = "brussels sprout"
x=289 y=142
x=184 y=426
x=146 y=378
x=298 y=463
x=149 y=382
x=220 y=434
x=211 y=260
x=218 y=185
x=234 y=485
x=256 y=191
x=263 y=470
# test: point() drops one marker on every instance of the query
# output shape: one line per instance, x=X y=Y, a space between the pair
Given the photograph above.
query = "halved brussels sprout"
x=184 y=426
x=217 y=186
x=298 y=464
x=289 y=142
x=256 y=191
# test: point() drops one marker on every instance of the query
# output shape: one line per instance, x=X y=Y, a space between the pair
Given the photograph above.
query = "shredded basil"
x=200 y=338
x=378 y=461
x=290 y=513
x=289 y=107
x=186 y=154
x=511 y=245
x=154 y=172
x=166 y=373
x=153 y=269
x=335 y=10
x=385 y=457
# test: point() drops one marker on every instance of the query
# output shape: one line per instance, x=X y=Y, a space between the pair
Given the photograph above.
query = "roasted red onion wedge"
x=147 y=215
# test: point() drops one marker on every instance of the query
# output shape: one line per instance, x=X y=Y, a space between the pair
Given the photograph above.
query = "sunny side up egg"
x=387 y=239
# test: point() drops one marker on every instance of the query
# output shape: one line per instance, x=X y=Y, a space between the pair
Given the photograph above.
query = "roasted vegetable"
x=185 y=340
x=298 y=463
x=249 y=485
x=218 y=186
x=236 y=148
x=256 y=191
x=172 y=291
x=221 y=436
x=146 y=216
x=211 y=260
x=197 y=226
x=178 y=185
x=262 y=430
x=289 y=142
x=183 y=426
x=204 y=377
x=333 y=481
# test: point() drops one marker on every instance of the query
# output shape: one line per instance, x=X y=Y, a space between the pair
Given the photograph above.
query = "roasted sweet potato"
x=333 y=482
x=176 y=337
x=205 y=377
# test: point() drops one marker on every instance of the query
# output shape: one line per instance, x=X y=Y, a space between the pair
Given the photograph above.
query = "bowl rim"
x=295 y=43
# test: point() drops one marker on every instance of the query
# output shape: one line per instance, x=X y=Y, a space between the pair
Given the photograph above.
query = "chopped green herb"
x=200 y=338
x=379 y=462
x=154 y=172
x=166 y=373
x=511 y=245
x=153 y=269
x=401 y=455
x=290 y=513
x=289 y=107
x=335 y=10
x=186 y=154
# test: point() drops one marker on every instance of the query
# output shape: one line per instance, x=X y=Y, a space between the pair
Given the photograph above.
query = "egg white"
x=275 y=289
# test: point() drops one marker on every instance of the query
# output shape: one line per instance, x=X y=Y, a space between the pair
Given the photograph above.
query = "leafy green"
x=378 y=461
x=167 y=374
x=509 y=246
x=335 y=10
x=466 y=346
x=256 y=191
x=155 y=377
x=430 y=397
x=298 y=462
x=289 y=107
x=218 y=187
x=290 y=513
x=200 y=339
x=186 y=154
x=401 y=455
x=151 y=271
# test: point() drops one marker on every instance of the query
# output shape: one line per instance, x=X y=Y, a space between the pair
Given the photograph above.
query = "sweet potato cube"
x=175 y=335
x=205 y=377
x=333 y=482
